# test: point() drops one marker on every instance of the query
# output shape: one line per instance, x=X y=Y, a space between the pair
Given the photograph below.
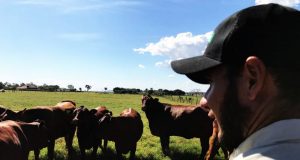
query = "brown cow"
x=87 y=129
x=125 y=130
x=58 y=119
x=18 y=138
x=166 y=120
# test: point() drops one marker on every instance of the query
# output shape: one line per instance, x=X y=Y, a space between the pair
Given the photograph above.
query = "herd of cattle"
x=39 y=127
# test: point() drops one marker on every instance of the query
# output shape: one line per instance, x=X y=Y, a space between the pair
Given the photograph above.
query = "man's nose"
x=203 y=103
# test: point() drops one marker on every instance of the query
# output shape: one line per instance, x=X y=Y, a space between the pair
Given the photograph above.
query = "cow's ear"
x=156 y=99
x=93 y=111
x=3 y=113
x=105 y=118
x=3 y=117
x=109 y=115
x=81 y=107
x=22 y=112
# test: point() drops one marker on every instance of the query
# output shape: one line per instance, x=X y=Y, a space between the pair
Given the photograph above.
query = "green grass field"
x=148 y=148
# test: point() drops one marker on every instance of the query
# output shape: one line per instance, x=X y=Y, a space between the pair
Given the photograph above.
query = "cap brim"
x=195 y=67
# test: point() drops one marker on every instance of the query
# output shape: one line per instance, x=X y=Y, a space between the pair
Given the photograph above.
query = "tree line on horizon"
x=33 y=87
x=70 y=88
x=151 y=91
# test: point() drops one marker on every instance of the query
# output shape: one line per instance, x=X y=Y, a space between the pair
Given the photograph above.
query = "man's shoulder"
x=279 y=140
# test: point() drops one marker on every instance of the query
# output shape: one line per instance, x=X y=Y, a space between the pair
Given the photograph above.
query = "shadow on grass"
x=109 y=155
x=177 y=154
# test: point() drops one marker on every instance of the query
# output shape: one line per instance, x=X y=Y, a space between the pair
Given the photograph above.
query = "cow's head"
x=104 y=121
x=3 y=115
x=101 y=111
x=148 y=101
x=78 y=113
x=9 y=115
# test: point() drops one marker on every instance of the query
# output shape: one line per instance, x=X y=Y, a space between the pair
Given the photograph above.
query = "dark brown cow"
x=58 y=119
x=166 y=120
x=87 y=129
x=125 y=130
x=18 y=138
x=6 y=113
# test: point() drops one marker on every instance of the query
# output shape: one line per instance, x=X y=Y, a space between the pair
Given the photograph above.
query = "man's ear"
x=255 y=72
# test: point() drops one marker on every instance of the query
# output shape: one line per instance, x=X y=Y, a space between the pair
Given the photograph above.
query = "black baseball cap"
x=270 y=32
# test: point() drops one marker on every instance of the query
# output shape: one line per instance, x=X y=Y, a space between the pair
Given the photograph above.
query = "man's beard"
x=232 y=118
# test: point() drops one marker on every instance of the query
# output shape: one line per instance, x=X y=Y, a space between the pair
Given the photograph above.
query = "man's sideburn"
x=232 y=116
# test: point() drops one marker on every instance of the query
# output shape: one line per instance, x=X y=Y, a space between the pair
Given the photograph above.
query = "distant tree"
x=7 y=85
x=1 y=85
x=160 y=92
x=151 y=91
x=49 y=88
x=14 y=86
x=178 y=92
x=88 y=87
x=80 y=89
x=105 y=88
x=53 y=88
x=167 y=92
x=71 y=87
x=119 y=90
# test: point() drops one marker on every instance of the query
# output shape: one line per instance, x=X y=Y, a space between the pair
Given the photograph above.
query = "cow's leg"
x=164 y=141
x=82 y=152
x=24 y=156
x=69 y=141
x=95 y=148
x=36 y=154
x=51 y=149
x=204 y=146
x=119 y=151
x=132 y=152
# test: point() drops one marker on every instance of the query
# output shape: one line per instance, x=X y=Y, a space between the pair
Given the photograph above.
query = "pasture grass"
x=148 y=147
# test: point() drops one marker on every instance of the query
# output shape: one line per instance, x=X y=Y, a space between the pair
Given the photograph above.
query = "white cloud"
x=141 y=66
x=290 y=3
x=165 y=63
x=171 y=76
x=79 y=36
x=183 y=45
x=68 y=6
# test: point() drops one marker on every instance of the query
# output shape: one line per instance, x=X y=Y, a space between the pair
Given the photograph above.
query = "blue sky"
x=108 y=43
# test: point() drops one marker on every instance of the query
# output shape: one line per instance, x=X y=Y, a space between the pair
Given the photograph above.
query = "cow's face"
x=104 y=121
x=101 y=111
x=148 y=102
x=79 y=114
x=9 y=115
